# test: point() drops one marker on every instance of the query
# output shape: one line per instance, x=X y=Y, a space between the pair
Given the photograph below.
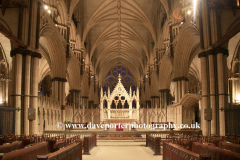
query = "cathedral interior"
x=119 y=61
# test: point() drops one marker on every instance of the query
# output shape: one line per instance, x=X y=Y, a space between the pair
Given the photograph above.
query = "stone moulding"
x=25 y=52
x=213 y=52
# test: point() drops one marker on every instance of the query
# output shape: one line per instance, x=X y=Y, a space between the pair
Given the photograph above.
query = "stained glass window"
x=112 y=78
x=127 y=79
x=129 y=73
x=109 y=73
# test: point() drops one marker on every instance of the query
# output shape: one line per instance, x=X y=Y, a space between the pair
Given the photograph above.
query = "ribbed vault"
x=189 y=100
x=117 y=30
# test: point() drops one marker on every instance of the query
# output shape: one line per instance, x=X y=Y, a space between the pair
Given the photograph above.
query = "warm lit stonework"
x=120 y=73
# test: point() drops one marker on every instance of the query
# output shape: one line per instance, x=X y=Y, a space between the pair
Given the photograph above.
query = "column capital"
x=180 y=79
x=59 y=79
x=164 y=90
x=214 y=51
x=78 y=51
x=85 y=97
x=221 y=50
x=210 y=52
x=36 y=54
x=74 y=90
x=154 y=96
x=25 y=52
x=202 y=54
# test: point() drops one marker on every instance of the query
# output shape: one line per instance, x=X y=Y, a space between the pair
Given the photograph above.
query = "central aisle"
x=121 y=150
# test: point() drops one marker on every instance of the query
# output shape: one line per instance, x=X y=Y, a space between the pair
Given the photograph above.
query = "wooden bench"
x=215 y=152
x=71 y=152
x=154 y=143
x=230 y=146
x=7 y=139
x=176 y=152
x=89 y=142
x=233 y=138
x=63 y=143
x=30 y=152
x=14 y=146
x=27 y=153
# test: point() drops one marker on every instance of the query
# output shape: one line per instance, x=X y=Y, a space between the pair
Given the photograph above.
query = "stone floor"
x=121 y=150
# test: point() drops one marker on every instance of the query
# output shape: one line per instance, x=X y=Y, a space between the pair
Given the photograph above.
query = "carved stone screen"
x=7 y=120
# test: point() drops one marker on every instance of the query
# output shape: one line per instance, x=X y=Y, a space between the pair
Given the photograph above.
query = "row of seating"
x=154 y=143
x=200 y=147
x=55 y=147
x=89 y=142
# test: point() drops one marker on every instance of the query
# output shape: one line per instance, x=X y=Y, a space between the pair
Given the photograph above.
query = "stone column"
x=147 y=114
x=160 y=100
x=75 y=100
x=85 y=102
x=55 y=92
x=41 y=119
x=6 y=93
x=204 y=123
x=53 y=89
x=233 y=90
x=166 y=96
x=23 y=76
x=85 y=106
x=183 y=82
x=64 y=80
x=222 y=86
x=176 y=91
x=54 y=121
x=200 y=110
x=27 y=93
x=17 y=72
x=212 y=94
x=60 y=92
x=179 y=91
x=165 y=100
x=74 y=105
x=35 y=74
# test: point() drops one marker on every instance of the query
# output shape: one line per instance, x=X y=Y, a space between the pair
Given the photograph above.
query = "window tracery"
x=111 y=79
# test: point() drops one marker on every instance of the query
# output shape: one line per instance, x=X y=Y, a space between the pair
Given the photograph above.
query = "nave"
x=119 y=150
x=170 y=145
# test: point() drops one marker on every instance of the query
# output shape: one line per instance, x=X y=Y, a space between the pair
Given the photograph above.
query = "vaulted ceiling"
x=119 y=32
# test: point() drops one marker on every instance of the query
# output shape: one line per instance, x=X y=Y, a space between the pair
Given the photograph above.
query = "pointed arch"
x=165 y=72
x=55 y=50
x=84 y=85
x=188 y=40
x=189 y=100
x=154 y=84
x=62 y=10
x=73 y=70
